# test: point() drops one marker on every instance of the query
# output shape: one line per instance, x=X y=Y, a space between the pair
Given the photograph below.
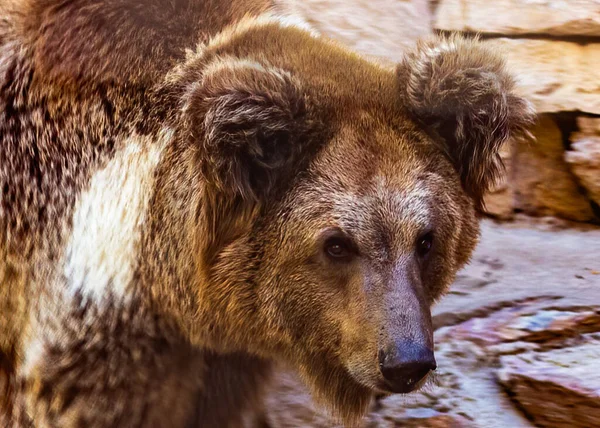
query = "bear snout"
x=403 y=366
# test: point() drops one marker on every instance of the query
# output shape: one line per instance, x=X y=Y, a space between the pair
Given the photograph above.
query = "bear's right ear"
x=251 y=124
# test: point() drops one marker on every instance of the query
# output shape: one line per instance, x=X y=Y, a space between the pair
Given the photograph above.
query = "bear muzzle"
x=403 y=366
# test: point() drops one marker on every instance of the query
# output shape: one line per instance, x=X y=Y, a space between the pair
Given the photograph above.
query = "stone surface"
x=514 y=17
x=526 y=259
x=522 y=322
x=559 y=388
x=420 y=418
x=499 y=202
x=543 y=182
x=584 y=156
x=589 y=125
x=555 y=75
x=376 y=28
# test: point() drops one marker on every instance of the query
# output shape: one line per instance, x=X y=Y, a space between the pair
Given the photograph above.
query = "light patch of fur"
x=101 y=252
x=428 y=54
x=33 y=353
x=231 y=63
x=414 y=204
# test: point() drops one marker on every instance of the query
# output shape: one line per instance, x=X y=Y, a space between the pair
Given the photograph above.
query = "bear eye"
x=424 y=244
x=339 y=248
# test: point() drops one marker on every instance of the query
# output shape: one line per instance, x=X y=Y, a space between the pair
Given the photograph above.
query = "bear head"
x=339 y=198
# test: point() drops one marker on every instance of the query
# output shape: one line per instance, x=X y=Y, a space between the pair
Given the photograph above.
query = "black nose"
x=404 y=365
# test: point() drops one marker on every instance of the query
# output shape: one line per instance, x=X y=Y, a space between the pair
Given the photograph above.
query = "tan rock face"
x=543 y=182
x=589 y=125
x=499 y=202
x=584 y=159
x=555 y=75
x=559 y=388
x=512 y=17
x=376 y=28
x=517 y=323
x=430 y=419
x=584 y=156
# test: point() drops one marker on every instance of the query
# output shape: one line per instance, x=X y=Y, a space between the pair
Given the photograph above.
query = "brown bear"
x=191 y=190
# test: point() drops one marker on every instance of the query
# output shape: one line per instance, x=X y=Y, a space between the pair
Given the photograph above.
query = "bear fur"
x=192 y=190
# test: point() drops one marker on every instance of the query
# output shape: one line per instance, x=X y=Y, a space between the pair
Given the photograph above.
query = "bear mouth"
x=405 y=386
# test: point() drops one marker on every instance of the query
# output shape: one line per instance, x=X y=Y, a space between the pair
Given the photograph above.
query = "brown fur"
x=270 y=141
x=458 y=89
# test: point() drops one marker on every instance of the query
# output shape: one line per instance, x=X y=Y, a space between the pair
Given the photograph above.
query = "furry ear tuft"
x=250 y=122
x=462 y=93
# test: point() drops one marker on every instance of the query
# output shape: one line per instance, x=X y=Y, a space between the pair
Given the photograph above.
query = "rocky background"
x=518 y=337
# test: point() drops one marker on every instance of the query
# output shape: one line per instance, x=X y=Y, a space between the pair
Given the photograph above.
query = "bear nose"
x=404 y=365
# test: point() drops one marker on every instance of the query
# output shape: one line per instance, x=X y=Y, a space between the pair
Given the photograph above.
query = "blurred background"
x=518 y=337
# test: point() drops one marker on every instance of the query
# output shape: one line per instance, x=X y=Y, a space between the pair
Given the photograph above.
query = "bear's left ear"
x=460 y=90
x=251 y=124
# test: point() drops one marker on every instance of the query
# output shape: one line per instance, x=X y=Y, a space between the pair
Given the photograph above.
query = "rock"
x=440 y=421
x=375 y=28
x=589 y=125
x=449 y=15
x=499 y=202
x=524 y=260
x=584 y=160
x=554 y=75
x=560 y=388
x=512 y=17
x=526 y=322
x=549 y=324
x=424 y=418
x=543 y=182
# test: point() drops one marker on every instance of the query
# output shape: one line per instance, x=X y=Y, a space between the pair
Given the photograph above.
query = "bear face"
x=368 y=248
x=339 y=198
